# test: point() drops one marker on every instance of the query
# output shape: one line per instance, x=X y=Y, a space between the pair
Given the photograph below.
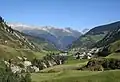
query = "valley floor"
x=68 y=73
x=78 y=76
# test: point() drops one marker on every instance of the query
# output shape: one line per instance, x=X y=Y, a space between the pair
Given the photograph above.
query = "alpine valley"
x=50 y=54
x=61 y=38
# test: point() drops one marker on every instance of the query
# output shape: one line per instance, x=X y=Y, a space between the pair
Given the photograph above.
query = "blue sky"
x=77 y=14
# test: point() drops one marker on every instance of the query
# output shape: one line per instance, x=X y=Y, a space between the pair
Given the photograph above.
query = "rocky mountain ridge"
x=61 y=37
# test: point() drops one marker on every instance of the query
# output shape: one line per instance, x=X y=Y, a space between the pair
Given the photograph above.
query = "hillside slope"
x=111 y=37
x=13 y=38
x=14 y=43
x=94 y=35
x=110 y=44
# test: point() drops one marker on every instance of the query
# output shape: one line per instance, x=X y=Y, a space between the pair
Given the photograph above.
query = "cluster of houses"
x=88 y=54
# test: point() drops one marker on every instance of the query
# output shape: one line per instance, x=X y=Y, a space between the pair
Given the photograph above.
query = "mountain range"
x=61 y=38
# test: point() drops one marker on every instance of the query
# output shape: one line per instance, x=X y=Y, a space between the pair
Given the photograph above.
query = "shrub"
x=102 y=64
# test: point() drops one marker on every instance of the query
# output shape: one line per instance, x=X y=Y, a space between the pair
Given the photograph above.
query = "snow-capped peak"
x=68 y=30
x=18 y=25
x=21 y=27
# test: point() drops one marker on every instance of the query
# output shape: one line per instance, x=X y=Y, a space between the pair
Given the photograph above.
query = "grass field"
x=68 y=73
x=11 y=53
x=72 y=60
x=77 y=76
x=114 y=55
x=70 y=64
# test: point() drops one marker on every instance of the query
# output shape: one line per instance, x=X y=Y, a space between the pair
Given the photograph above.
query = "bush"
x=102 y=64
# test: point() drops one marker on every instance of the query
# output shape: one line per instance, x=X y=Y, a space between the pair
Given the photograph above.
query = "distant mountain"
x=95 y=35
x=41 y=43
x=85 y=31
x=60 y=37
